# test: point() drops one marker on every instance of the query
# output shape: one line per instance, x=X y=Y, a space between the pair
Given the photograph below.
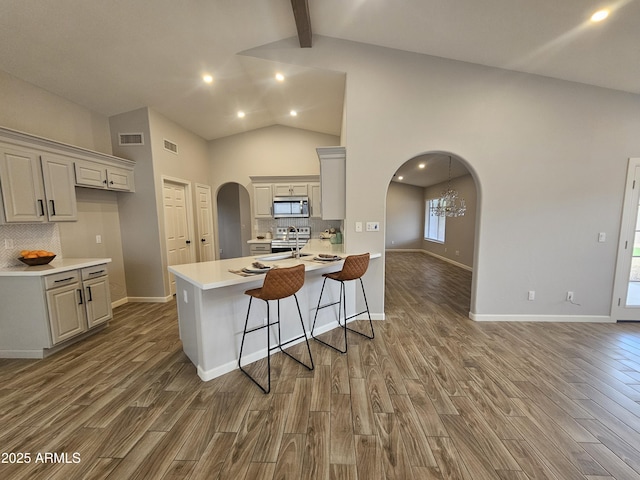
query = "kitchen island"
x=212 y=306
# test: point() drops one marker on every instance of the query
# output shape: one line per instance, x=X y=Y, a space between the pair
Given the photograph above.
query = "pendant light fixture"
x=449 y=204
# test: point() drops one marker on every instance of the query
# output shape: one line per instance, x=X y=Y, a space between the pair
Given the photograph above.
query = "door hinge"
x=634 y=185
x=619 y=300
x=626 y=244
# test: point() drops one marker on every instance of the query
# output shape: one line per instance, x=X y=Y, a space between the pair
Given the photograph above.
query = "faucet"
x=294 y=229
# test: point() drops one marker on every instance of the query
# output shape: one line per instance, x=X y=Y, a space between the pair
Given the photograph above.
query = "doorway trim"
x=628 y=223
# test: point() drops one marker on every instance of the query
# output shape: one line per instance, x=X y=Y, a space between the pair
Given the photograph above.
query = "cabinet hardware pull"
x=53 y=208
x=80 y=292
x=89 y=297
x=188 y=242
x=111 y=182
x=202 y=240
x=63 y=280
x=41 y=207
x=96 y=273
x=104 y=181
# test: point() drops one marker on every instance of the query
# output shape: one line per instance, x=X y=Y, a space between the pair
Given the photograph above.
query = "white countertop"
x=56 y=266
x=216 y=274
x=259 y=240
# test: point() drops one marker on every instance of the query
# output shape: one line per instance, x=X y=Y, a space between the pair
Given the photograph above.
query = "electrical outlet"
x=8 y=243
x=532 y=295
x=358 y=226
x=98 y=238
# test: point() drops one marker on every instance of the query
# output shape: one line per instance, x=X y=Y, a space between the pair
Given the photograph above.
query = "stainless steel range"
x=285 y=241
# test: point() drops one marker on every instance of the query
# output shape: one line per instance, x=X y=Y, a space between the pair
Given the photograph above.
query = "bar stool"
x=354 y=267
x=278 y=283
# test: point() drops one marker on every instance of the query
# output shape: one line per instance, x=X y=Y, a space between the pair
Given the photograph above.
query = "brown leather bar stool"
x=354 y=267
x=278 y=283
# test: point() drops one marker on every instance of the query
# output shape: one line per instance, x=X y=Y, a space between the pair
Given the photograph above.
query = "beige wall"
x=549 y=157
x=30 y=109
x=97 y=215
x=460 y=232
x=404 y=216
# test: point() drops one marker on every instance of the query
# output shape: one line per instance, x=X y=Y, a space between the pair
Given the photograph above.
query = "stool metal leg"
x=342 y=302
x=279 y=344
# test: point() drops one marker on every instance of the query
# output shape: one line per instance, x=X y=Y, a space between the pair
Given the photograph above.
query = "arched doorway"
x=410 y=225
x=234 y=221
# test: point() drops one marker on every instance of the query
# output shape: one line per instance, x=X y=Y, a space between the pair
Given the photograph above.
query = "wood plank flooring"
x=434 y=395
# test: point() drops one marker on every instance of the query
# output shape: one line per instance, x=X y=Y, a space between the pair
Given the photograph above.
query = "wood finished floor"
x=435 y=395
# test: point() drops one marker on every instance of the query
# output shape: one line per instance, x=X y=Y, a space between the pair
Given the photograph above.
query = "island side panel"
x=24 y=324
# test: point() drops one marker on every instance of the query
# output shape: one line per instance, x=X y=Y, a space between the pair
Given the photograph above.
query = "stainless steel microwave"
x=287 y=207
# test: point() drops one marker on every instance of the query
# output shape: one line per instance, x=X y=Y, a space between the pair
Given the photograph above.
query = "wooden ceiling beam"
x=303 y=21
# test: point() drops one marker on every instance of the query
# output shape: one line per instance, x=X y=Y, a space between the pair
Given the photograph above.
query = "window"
x=433 y=225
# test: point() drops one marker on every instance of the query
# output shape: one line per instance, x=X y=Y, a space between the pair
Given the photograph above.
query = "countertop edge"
x=56 y=266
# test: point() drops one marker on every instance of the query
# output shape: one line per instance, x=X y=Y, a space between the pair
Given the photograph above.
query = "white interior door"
x=626 y=290
x=205 y=223
x=176 y=227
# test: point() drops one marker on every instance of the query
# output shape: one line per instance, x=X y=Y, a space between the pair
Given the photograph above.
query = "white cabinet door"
x=96 y=175
x=333 y=182
x=290 y=190
x=119 y=179
x=262 y=200
x=21 y=182
x=59 y=186
x=315 y=204
x=98 y=300
x=66 y=312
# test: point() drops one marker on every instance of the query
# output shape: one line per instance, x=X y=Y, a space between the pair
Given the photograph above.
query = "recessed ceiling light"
x=279 y=77
x=421 y=165
x=400 y=177
x=293 y=113
x=599 y=15
x=206 y=78
x=241 y=114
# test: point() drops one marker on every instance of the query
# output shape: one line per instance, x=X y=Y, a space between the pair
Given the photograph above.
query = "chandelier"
x=449 y=204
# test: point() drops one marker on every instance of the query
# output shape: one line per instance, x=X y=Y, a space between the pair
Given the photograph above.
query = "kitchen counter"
x=58 y=265
x=212 y=307
x=260 y=240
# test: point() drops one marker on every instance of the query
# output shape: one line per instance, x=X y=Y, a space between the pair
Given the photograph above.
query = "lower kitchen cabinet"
x=43 y=312
x=256 y=249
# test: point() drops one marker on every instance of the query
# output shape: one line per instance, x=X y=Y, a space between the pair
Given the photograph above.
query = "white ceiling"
x=118 y=55
x=436 y=170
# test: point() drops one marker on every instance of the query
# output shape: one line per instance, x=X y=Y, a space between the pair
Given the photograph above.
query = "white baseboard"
x=440 y=257
x=150 y=299
x=541 y=318
x=206 y=375
x=21 y=353
x=120 y=302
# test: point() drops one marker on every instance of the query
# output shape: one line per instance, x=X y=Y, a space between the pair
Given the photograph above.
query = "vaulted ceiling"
x=116 y=56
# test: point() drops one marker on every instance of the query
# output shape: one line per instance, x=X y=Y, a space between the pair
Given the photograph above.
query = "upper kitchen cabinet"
x=36 y=188
x=315 y=200
x=262 y=200
x=38 y=177
x=98 y=175
x=21 y=182
x=59 y=188
x=332 y=182
x=290 y=190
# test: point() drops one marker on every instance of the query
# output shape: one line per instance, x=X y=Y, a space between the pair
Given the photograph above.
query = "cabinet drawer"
x=94 y=272
x=257 y=248
x=61 y=279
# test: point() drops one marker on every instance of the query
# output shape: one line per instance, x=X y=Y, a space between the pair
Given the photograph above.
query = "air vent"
x=131 y=139
x=170 y=146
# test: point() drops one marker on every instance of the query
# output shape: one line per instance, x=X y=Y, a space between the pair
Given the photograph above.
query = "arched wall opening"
x=422 y=178
x=233 y=226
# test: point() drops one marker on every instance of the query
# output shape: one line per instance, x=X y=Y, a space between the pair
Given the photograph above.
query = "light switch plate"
x=373 y=226
x=358 y=226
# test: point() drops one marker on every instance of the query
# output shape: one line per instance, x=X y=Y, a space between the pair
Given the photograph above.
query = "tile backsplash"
x=43 y=236
x=263 y=225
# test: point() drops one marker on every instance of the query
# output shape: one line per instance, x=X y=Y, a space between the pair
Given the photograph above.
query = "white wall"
x=550 y=158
